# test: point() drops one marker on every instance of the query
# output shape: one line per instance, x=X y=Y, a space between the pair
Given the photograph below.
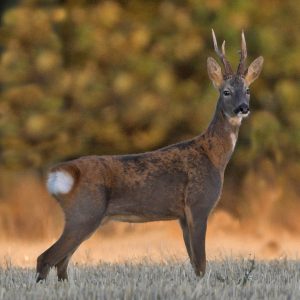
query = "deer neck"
x=220 y=138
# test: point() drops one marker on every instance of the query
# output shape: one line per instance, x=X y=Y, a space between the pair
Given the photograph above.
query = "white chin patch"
x=59 y=182
x=241 y=115
x=237 y=120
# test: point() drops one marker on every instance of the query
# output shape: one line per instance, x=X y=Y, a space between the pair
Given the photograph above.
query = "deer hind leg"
x=62 y=267
x=60 y=252
x=81 y=222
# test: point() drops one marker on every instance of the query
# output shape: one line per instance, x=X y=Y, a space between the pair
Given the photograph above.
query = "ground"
x=225 y=279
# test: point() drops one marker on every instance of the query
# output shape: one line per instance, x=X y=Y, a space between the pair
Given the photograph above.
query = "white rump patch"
x=60 y=182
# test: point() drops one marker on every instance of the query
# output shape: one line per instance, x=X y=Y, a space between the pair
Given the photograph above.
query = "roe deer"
x=182 y=181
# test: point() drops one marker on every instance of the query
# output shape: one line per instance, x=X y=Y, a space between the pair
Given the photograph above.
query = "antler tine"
x=215 y=42
x=223 y=48
x=221 y=54
x=242 y=64
x=244 y=46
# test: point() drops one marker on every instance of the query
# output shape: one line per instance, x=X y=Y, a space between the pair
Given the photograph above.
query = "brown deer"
x=179 y=182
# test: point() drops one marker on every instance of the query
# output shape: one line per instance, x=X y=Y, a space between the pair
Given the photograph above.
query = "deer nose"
x=243 y=108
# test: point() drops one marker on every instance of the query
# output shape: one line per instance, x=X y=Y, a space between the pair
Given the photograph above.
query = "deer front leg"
x=197 y=223
x=186 y=236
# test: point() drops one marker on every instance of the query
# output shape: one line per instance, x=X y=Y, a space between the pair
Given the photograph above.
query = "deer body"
x=179 y=182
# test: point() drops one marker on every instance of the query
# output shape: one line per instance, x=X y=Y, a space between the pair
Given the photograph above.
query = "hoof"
x=62 y=277
x=39 y=278
x=42 y=272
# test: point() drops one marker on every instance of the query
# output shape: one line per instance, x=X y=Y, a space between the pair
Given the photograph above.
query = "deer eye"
x=248 y=91
x=226 y=93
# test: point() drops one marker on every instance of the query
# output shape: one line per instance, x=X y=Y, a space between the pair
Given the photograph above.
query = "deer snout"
x=242 y=109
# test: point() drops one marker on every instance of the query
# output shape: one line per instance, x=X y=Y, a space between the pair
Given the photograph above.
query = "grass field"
x=225 y=279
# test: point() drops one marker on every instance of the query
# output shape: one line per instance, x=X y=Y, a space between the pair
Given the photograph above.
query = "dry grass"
x=226 y=279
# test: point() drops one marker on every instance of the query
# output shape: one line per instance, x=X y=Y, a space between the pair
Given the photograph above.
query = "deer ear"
x=254 y=70
x=214 y=72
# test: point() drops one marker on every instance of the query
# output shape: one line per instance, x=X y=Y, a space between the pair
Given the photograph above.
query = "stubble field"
x=140 y=262
x=225 y=279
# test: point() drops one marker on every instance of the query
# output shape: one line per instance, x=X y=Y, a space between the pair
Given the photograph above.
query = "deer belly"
x=138 y=207
x=157 y=198
x=139 y=219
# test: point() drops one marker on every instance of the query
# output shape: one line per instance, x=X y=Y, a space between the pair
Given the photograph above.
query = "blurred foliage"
x=110 y=77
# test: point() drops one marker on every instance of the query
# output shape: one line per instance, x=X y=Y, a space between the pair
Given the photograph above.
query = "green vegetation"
x=107 y=77
x=227 y=279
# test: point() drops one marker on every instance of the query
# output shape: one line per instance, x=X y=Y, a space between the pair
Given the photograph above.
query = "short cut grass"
x=225 y=279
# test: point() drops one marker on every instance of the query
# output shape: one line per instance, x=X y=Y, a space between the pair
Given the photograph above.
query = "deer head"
x=233 y=87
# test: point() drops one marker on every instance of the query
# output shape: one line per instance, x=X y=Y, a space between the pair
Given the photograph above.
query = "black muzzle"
x=243 y=109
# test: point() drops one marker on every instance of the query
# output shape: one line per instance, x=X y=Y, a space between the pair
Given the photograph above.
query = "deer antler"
x=242 y=65
x=228 y=70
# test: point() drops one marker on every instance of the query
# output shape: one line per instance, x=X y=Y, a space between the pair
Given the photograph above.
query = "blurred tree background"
x=111 y=77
